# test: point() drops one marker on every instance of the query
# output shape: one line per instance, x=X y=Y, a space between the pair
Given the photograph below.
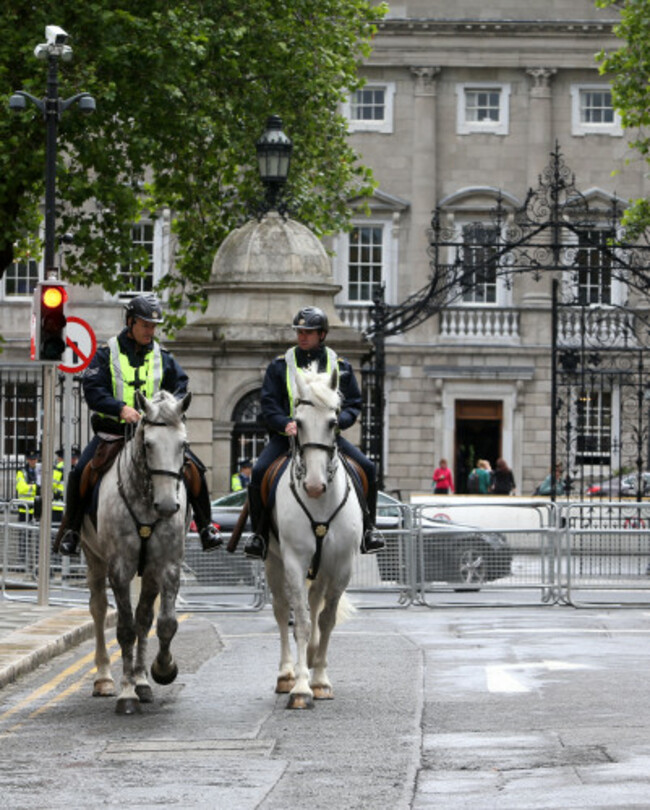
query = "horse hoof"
x=297 y=701
x=104 y=687
x=284 y=685
x=144 y=692
x=128 y=706
x=322 y=692
x=164 y=677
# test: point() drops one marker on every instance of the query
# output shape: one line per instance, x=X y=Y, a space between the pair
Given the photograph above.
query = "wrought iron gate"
x=600 y=398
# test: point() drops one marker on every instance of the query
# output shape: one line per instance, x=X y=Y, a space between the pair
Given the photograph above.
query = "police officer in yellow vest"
x=27 y=486
x=58 y=486
x=131 y=361
x=240 y=480
x=311 y=325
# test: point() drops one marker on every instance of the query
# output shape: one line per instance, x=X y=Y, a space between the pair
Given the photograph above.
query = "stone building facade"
x=464 y=104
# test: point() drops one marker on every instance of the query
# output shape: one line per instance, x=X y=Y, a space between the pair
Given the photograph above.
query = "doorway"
x=477 y=435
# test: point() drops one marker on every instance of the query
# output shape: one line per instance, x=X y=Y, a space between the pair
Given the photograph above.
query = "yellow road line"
x=73 y=669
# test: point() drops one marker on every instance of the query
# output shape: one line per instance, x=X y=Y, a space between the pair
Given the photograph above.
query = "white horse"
x=142 y=520
x=317 y=524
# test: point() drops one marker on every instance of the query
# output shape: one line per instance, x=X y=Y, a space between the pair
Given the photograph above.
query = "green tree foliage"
x=629 y=68
x=183 y=90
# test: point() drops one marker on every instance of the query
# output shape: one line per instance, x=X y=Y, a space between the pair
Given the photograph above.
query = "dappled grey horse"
x=142 y=519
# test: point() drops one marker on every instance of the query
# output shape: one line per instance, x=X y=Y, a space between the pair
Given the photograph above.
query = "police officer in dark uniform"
x=131 y=361
x=311 y=327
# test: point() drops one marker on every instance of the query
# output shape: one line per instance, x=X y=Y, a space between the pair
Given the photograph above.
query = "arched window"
x=249 y=433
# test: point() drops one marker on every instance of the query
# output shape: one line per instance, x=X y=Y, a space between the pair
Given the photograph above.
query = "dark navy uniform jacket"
x=98 y=385
x=276 y=410
x=275 y=393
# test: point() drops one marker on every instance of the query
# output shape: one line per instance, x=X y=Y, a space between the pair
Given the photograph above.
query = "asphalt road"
x=455 y=707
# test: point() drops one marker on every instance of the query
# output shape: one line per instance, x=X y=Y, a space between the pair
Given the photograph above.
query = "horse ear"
x=185 y=402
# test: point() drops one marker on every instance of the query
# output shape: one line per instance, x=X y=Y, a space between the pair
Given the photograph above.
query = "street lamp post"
x=51 y=107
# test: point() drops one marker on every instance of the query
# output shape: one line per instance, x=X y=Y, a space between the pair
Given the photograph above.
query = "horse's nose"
x=166 y=507
x=315 y=491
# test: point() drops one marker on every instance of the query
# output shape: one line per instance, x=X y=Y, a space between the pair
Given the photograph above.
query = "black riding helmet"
x=311 y=318
x=146 y=307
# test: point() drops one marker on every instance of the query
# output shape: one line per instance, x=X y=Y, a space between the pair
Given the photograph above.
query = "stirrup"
x=372 y=542
x=256 y=547
x=210 y=538
x=69 y=545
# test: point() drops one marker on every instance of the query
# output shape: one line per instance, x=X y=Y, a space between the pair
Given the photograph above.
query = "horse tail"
x=345 y=609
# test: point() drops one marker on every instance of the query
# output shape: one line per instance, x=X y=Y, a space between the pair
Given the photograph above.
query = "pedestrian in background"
x=503 y=479
x=241 y=479
x=443 y=483
x=480 y=479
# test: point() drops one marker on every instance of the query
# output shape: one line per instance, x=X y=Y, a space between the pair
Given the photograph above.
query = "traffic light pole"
x=45 y=536
x=51 y=108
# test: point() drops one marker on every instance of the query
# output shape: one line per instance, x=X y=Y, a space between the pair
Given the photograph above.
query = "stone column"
x=540 y=122
x=423 y=165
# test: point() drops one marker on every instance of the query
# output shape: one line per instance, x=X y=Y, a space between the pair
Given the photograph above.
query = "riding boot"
x=257 y=545
x=210 y=537
x=372 y=540
x=70 y=529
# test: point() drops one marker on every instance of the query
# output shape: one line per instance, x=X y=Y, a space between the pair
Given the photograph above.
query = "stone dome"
x=262 y=274
x=270 y=251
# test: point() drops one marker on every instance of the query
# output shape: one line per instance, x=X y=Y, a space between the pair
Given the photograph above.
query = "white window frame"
x=499 y=127
x=159 y=255
x=384 y=125
x=341 y=264
x=581 y=128
x=21 y=296
x=503 y=296
x=618 y=288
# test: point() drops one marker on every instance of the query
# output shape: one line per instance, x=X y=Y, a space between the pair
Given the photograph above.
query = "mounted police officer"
x=311 y=325
x=131 y=361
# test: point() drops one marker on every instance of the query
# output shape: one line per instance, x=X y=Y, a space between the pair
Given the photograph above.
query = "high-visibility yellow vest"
x=124 y=376
x=293 y=369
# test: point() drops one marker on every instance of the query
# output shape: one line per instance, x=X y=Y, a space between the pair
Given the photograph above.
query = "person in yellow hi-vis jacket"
x=58 y=483
x=28 y=492
x=242 y=478
x=27 y=486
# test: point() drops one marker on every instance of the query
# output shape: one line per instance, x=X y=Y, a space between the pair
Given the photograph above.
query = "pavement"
x=31 y=634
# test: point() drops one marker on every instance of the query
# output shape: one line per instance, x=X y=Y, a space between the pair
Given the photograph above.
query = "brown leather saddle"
x=276 y=468
x=105 y=455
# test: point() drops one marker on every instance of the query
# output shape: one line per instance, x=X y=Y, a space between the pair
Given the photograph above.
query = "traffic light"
x=49 y=321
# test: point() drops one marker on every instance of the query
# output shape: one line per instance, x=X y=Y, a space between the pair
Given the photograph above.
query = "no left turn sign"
x=81 y=346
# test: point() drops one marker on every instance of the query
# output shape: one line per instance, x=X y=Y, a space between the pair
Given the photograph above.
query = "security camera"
x=55 y=35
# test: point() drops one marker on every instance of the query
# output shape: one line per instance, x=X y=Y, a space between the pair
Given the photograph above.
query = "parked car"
x=620 y=486
x=452 y=552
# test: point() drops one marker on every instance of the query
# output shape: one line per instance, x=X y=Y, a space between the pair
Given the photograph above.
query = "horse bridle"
x=297 y=448
x=145 y=530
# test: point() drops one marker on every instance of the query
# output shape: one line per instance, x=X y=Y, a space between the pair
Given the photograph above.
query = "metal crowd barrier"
x=454 y=550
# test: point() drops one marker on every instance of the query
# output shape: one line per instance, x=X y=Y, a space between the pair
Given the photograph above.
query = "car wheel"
x=471 y=567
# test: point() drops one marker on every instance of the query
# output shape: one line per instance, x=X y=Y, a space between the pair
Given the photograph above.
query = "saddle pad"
x=271 y=479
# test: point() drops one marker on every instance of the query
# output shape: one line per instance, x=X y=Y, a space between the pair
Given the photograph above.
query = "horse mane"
x=319 y=388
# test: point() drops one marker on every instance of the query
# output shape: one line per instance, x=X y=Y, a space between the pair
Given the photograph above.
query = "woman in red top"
x=443 y=482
